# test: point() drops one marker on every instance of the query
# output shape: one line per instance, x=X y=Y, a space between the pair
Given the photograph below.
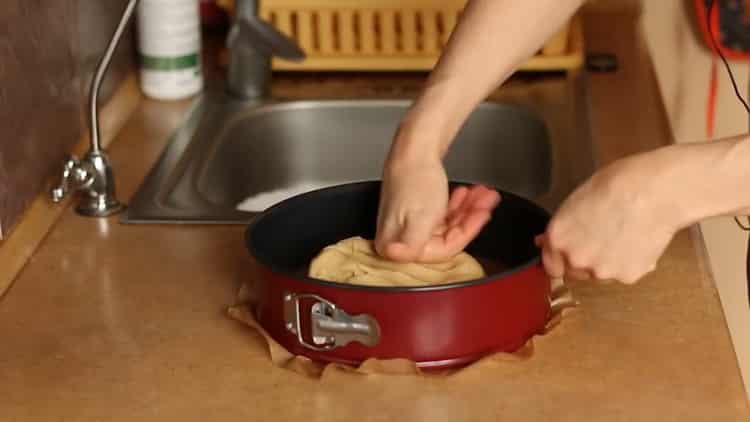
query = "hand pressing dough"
x=354 y=261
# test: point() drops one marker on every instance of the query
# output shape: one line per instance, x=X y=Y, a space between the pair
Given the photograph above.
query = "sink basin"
x=228 y=151
x=282 y=145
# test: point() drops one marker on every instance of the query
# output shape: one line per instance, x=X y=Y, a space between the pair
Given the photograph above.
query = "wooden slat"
x=558 y=44
x=284 y=21
x=354 y=4
x=346 y=32
x=449 y=22
x=305 y=31
x=265 y=14
x=408 y=31
x=379 y=50
x=430 y=41
x=374 y=62
x=416 y=62
x=388 y=31
x=366 y=27
x=572 y=60
x=325 y=31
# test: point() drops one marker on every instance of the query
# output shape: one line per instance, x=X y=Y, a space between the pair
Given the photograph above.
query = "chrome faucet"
x=252 y=43
x=92 y=175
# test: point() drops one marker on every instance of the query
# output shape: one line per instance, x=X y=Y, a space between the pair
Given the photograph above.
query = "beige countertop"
x=682 y=65
x=113 y=322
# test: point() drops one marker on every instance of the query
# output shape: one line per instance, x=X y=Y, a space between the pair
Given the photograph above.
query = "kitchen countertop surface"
x=112 y=322
x=683 y=65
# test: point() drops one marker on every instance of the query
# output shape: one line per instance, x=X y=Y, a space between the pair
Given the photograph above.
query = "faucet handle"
x=261 y=37
x=74 y=177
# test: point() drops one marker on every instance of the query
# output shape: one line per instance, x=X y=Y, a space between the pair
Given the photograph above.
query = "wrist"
x=721 y=175
x=421 y=136
x=429 y=125
x=673 y=184
x=416 y=142
x=654 y=187
x=689 y=182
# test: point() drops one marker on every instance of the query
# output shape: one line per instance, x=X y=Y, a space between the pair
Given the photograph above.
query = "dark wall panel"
x=48 y=49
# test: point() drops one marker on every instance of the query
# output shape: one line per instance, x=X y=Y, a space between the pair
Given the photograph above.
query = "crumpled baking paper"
x=563 y=302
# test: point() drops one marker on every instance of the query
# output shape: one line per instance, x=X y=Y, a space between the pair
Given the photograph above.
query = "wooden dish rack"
x=389 y=35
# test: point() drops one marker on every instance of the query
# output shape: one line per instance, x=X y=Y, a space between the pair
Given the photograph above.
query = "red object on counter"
x=211 y=14
x=436 y=326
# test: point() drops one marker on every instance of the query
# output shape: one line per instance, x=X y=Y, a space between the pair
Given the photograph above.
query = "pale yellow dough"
x=354 y=261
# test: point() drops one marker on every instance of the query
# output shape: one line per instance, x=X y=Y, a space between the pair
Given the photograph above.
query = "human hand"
x=418 y=222
x=615 y=226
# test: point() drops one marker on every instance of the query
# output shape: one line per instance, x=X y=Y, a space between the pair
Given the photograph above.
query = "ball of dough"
x=355 y=261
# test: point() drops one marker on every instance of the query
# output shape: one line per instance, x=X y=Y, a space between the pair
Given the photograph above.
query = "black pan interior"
x=287 y=236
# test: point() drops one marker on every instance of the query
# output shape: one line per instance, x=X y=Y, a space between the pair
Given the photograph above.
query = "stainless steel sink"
x=227 y=151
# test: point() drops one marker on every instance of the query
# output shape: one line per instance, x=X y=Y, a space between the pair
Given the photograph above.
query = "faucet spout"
x=101 y=70
x=92 y=176
x=252 y=43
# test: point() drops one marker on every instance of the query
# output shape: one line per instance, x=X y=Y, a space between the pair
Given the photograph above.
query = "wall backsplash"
x=48 y=51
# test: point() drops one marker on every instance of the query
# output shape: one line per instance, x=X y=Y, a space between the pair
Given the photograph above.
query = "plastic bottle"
x=169 y=46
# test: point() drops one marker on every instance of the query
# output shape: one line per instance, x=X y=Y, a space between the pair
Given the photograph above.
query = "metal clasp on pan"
x=332 y=327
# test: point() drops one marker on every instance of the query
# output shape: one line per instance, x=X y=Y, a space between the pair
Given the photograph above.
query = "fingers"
x=440 y=229
x=568 y=262
x=409 y=244
x=578 y=274
x=433 y=237
x=554 y=262
x=405 y=242
x=403 y=229
x=464 y=201
x=399 y=252
x=458 y=196
x=387 y=232
x=485 y=198
x=455 y=240
x=455 y=203
x=416 y=233
x=385 y=226
x=469 y=211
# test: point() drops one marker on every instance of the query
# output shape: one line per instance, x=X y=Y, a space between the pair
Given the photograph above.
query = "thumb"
x=415 y=233
x=385 y=235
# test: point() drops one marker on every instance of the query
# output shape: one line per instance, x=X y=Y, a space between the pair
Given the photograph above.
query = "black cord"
x=709 y=25
x=723 y=59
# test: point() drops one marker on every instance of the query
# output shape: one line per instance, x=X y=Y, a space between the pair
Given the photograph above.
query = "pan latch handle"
x=332 y=327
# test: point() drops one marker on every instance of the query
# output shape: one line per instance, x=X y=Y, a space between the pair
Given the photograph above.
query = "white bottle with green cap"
x=169 y=44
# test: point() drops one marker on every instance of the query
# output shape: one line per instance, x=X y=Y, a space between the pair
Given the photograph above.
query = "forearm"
x=492 y=39
x=703 y=180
